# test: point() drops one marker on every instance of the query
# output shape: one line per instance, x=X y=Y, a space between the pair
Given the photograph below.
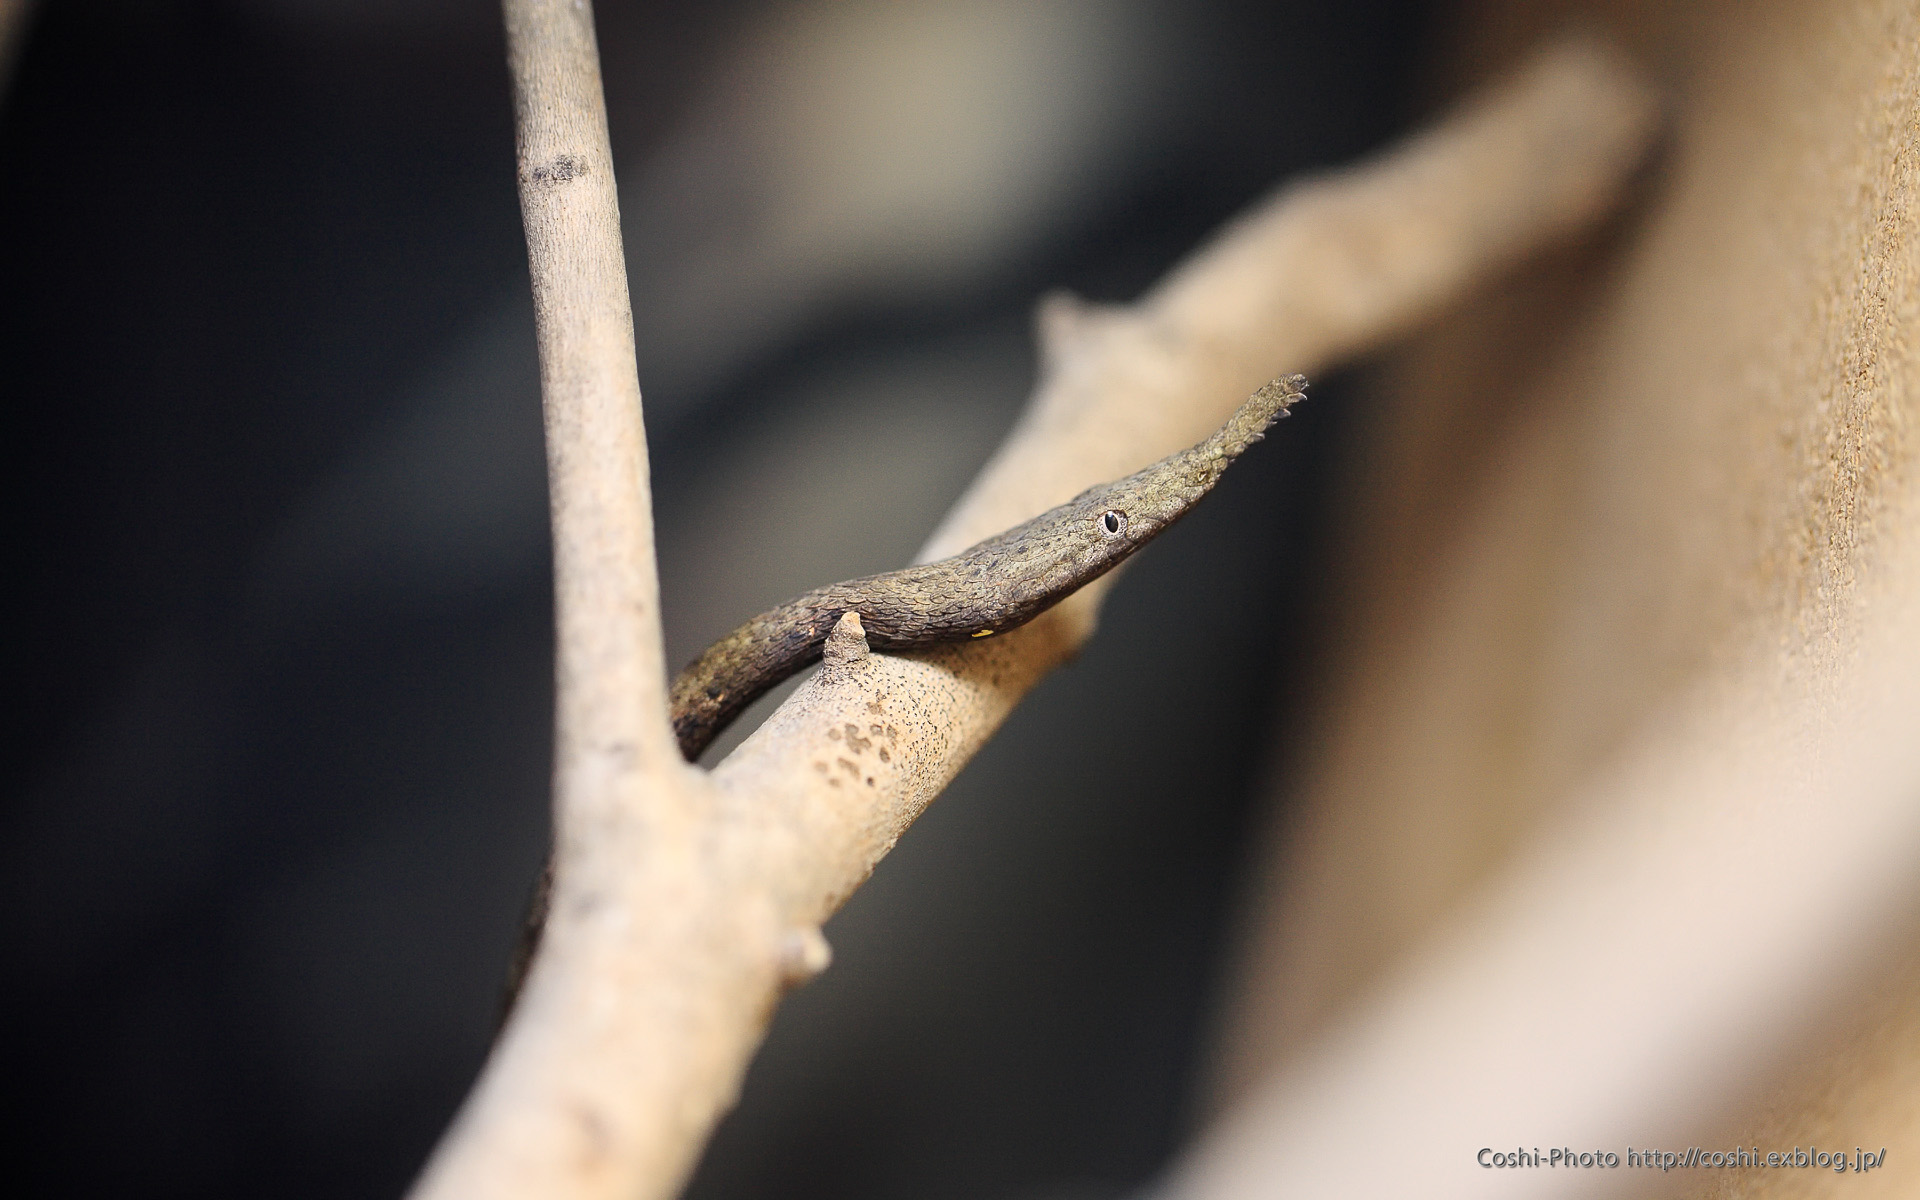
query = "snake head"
x=1127 y=513
x=1035 y=564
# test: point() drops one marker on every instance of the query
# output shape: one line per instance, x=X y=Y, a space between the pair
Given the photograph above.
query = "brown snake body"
x=996 y=585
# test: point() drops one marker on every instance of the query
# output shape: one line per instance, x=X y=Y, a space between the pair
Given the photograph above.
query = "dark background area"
x=275 y=786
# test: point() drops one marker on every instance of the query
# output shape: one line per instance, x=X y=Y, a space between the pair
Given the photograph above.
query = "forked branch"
x=685 y=903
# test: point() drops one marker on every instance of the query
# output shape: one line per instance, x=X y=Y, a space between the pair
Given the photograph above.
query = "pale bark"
x=618 y=1056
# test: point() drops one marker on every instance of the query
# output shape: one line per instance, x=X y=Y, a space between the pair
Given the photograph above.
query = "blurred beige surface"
x=1661 y=475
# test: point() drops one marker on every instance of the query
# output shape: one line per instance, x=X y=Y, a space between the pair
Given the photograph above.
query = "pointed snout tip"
x=1270 y=403
x=1285 y=391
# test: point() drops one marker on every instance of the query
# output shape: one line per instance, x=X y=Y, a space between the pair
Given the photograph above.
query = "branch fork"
x=686 y=903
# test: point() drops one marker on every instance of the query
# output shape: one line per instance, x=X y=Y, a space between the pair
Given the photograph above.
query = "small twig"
x=684 y=905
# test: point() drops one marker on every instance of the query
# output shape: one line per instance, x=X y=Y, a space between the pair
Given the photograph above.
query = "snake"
x=993 y=586
x=986 y=589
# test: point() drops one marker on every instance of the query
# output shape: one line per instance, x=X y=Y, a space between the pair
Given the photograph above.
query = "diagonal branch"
x=683 y=903
x=1323 y=270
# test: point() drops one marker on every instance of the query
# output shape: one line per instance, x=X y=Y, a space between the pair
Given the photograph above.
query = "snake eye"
x=1113 y=522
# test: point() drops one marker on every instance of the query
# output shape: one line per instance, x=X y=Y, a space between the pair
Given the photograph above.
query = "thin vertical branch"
x=585 y=1094
x=611 y=667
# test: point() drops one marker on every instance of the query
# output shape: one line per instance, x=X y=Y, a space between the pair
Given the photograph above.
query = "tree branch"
x=611 y=1071
x=1323 y=270
x=683 y=905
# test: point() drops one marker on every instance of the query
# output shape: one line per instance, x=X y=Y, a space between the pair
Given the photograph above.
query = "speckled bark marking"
x=997 y=585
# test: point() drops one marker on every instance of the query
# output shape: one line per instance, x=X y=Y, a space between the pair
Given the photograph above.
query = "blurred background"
x=276 y=786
